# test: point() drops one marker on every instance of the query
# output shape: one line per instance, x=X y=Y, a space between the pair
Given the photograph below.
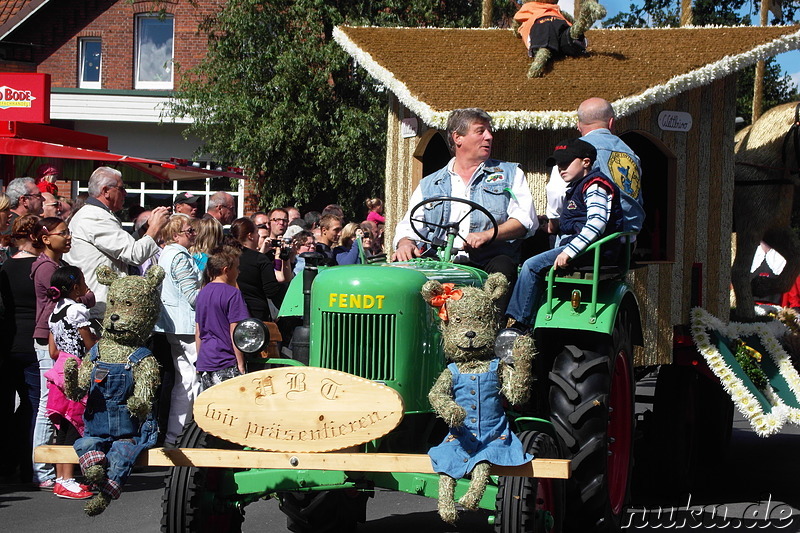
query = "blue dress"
x=485 y=435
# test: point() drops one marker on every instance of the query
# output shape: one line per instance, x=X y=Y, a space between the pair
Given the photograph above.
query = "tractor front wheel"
x=192 y=502
x=592 y=409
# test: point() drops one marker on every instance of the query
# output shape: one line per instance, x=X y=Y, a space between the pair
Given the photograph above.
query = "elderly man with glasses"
x=25 y=198
x=98 y=237
x=222 y=207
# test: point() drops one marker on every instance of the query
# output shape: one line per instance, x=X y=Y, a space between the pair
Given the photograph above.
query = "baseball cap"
x=569 y=150
x=186 y=198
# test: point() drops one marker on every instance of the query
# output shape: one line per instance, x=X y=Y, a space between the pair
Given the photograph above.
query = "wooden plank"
x=355 y=462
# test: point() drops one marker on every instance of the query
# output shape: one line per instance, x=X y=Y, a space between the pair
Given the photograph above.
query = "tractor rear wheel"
x=531 y=505
x=592 y=409
x=190 y=503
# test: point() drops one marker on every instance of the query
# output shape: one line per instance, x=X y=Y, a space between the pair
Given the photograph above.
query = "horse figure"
x=766 y=173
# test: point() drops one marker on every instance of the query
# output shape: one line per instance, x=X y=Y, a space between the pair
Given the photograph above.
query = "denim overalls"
x=113 y=437
x=485 y=435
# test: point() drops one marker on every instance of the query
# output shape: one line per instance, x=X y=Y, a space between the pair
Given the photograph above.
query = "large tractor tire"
x=329 y=511
x=592 y=409
x=531 y=505
x=190 y=501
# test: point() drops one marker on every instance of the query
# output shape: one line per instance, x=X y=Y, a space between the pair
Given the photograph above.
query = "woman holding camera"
x=257 y=279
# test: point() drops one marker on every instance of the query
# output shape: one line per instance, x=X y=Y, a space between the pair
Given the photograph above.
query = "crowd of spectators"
x=248 y=262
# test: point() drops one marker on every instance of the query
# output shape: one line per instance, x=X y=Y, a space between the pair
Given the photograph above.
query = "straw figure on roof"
x=545 y=31
x=766 y=174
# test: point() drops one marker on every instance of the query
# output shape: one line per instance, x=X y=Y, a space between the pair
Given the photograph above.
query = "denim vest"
x=177 y=314
x=616 y=160
x=573 y=217
x=491 y=189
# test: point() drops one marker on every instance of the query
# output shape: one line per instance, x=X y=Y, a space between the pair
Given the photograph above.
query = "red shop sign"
x=25 y=97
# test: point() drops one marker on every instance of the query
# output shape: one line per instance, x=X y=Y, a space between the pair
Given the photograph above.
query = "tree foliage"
x=778 y=86
x=276 y=96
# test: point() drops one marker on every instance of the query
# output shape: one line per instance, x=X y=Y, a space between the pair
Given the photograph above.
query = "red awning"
x=13 y=142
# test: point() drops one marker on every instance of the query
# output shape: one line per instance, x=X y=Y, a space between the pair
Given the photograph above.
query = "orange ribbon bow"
x=449 y=293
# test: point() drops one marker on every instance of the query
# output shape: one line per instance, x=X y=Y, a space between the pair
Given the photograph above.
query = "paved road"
x=757 y=481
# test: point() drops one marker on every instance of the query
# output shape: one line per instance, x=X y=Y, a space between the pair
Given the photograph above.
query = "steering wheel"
x=450 y=228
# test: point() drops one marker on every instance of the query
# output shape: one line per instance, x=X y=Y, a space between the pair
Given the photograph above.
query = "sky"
x=789 y=61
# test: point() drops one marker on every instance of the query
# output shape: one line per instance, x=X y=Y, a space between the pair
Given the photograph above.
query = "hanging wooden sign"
x=298 y=409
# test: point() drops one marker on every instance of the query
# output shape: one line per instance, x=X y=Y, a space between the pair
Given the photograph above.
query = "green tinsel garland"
x=749 y=359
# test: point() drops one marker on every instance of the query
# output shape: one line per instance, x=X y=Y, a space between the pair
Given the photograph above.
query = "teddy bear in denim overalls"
x=121 y=378
x=467 y=394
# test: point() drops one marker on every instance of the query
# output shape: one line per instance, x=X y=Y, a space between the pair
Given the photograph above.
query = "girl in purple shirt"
x=219 y=307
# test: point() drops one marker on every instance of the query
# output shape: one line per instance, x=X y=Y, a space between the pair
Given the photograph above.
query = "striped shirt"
x=598 y=210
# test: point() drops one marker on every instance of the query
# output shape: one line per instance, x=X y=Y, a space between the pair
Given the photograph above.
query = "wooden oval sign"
x=298 y=409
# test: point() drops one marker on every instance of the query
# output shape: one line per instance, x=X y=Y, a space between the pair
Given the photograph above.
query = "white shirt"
x=99 y=239
x=520 y=206
x=556 y=190
x=775 y=261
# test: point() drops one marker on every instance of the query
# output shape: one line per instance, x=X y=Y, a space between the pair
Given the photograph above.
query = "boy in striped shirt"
x=592 y=210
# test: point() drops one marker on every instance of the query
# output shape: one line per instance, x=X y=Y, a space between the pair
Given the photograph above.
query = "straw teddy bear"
x=545 y=31
x=467 y=394
x=121 y=378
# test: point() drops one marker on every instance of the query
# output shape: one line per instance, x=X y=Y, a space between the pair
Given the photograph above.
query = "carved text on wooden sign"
x=298 y=409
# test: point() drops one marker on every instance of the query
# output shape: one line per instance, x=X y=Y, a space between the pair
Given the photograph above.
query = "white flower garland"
x=764 y=424
x=552 y=120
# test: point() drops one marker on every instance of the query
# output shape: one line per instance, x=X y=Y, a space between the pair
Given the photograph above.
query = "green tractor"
x=371 y=321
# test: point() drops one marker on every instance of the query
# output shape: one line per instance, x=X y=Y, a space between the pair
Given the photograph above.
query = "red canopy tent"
x=39 y=140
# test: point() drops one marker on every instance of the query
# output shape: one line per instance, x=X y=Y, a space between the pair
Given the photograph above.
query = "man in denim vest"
x=498 y=186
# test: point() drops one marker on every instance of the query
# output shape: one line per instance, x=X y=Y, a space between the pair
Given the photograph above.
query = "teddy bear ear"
x=155 y=275
x=105 y=275
x=496 y=286
x=430 y=289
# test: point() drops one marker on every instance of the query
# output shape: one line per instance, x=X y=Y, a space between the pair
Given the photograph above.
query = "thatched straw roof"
x=435 y=70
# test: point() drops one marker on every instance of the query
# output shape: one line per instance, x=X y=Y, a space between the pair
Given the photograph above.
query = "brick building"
x=113 y=67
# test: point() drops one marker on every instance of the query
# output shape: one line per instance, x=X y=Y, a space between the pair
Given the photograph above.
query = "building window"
x=154 y=52
x=89 y=63
x=150 y=194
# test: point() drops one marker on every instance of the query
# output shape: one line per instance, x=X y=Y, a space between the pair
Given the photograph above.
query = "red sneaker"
x=70 y=490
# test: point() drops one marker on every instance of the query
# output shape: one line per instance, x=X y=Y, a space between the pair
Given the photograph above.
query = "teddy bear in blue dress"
x=467 y=394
